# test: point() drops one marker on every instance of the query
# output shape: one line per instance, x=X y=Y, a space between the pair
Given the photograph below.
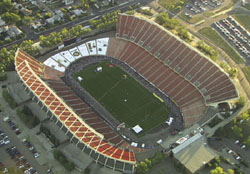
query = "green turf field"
x=126 y=99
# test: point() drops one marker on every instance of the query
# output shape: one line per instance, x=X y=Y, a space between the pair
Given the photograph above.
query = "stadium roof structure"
x=32 y=74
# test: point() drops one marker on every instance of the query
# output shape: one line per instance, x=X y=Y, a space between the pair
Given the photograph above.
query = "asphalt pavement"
x=20 y=146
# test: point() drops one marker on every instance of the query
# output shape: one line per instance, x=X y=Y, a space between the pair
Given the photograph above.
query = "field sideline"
x=125 y=98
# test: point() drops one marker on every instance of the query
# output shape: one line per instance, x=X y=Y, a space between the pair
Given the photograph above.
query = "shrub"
x=214 y=122
x=27 y=117
x=50 y=136
x=243 y=162
x=241 y=102
x=179 y=167
x=9 y=99
x=3 y=76
x=144 y=166
x=87 y=170
x=207 y=50
x=59 y=156
x=146 y=12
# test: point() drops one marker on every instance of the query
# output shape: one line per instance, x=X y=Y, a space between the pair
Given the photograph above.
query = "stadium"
x=141 y=60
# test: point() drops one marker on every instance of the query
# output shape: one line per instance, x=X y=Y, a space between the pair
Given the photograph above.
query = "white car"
x=7 y=142
x=243 y=146
x=36 y=155
x=238 y=158
x=159 y=141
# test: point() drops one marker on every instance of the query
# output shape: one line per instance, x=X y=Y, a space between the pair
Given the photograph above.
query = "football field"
x=125 y=98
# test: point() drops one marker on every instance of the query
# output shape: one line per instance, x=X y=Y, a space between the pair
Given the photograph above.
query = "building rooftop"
x=194 y=153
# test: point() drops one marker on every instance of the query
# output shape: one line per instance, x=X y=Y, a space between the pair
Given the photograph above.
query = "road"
x=83 y=21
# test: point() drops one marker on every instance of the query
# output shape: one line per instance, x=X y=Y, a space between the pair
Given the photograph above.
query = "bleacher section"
x=190 y=79
x=214 y=85
x=185 y=95
x=82 y=131
x=62 y=60
x=180 y=72
x=85 y=112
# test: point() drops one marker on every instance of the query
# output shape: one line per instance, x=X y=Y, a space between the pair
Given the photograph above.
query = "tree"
x=27 y=20
x=245 y=115
x=76 y=31
x=247 y=141
x=6 y=6
x=241 y=102
x=224 y=66
x=28 y=47
x=206 y=49
x=65 y=33
x=142 y=168
x=181 y=3
x=11 y=17
x=217 y=170
x=178 y=7
x=237 y=131
x=85 y=3
x=233 y=72
x=230 y=171
x=183 y=33
x=48 y=15
x=164 y=20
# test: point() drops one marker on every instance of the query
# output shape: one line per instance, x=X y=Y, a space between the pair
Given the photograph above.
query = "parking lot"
x=235 y=34
x=234 y=150
x=14 y=153
x=200 y=6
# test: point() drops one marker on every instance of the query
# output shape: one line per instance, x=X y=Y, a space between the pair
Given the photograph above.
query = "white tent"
x=137 y=129
x=99 y=69
x=79 y=78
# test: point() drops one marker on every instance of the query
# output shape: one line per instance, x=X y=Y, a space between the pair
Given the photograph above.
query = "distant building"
x=68 y=2
x=194 y=153
x=16 y=30
x=20 y=7
x=59 y=13
x=105 y=2
x=13 y=31
x=57 y=17
x=36 y=25
x=11 y=34
x=244 y=2
x=78 y=12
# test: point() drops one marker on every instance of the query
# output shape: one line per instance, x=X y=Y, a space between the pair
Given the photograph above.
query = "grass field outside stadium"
x=124 y=97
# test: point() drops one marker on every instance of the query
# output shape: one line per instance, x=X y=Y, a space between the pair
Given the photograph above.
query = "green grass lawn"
x=217 y=39
x=173 y=5
x=168 y=3
x=126 y=99
x=208 y=13
x=192 y=20
x=246 y=71
x=247 y=6
x=244 y=20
